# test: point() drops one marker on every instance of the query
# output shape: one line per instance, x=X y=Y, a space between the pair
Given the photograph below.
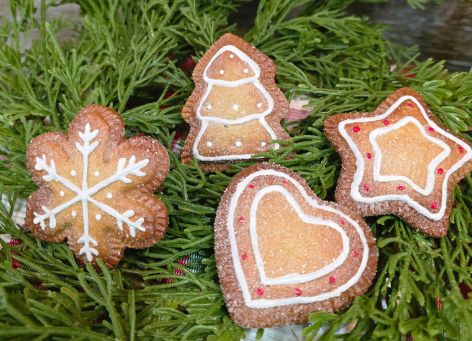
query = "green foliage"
x=127 y=55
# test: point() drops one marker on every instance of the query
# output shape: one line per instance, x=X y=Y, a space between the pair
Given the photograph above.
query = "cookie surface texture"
x=399 y=160
x=235 y=109
x=282 y=253
x=96 y=188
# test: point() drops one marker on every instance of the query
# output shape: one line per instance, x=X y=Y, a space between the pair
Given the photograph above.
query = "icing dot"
x=260 y=291
x=366 y=187
x=369 y=155
x=401 y=188
x=235 y=107
x=440 y=171
x=241 y=220
x=410 y=105
x=109 y=196
x=244 y=257
x=332 y=279
x=209 y=144
x=355 y=254
x=238 y=144
x=343 y=222
x=461 y=149
x=263 y=144
x=73 y=173
x=431 y=129
x=434 y=205
x=259 y=105
x=231 y=56
x=285 y=181
x=246 y=70
x=208 y=106
x=386 y=122
x=356 y=129
x=298 y=292
x=61 y=193
x=221 y=72
x=97 y=173
x=98 y=216
x=438 y=303
x=74 y=214
x=251 y=186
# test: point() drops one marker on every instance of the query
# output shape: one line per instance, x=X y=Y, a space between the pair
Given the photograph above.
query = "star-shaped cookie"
x=399 y=160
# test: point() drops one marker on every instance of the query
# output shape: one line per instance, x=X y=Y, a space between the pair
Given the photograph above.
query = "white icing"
x=231 y=56
x=221 y=72
x=246 y=70
x=238 y=144
x=267 y=303
x=73 y=173
x=259 y=105
x=209 y=144
x=109 y=196
x=85 y=193
x=431 y=177
x=97 y=173
x=257 y=116
x=98 y=216
x=294 y=277
x=235 y=107
x=61 y=193
x=355 y=194
x=263 y=144
x=208 y=106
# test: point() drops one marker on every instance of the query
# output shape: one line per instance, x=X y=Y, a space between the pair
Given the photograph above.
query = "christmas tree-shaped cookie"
x=236 y=108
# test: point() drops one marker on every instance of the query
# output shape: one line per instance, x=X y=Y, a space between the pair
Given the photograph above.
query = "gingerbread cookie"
x=399 y=160
x=96 y=188
x=282 y=253
x=236 y=108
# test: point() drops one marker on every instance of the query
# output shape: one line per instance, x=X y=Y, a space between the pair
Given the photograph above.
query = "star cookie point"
x=410 y=165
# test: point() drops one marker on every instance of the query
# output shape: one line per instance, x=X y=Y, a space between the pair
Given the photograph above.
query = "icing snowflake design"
x=85 y=193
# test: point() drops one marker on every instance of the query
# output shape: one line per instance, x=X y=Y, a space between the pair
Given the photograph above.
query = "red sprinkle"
x=434 y=205
x=431 y=129
x=250 y=186
x=366 y=187
x=356 y=129
x=356 y=254
x=455 y=204
x=369 y=155
x=241 y=220
x=285 y=181
x=298 y=292
x=461 y=149
x=401 y=188
x=438 y=303
x=244 y=257
x=386 y=122
x=410 y=105
x=260 y=291
x=343 y=222
x=332 y=279
x=440 y=171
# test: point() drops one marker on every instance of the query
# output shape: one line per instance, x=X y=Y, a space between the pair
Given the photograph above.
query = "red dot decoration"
x=241 y=220
x=401 y=188
x=386 y=122
x=244 y=257
x=343 y=222
x=438 y=303
x=298 y=292
x=356 y=254
x=369 y=155
x=440 y=171
x=461 y=150
x=366 y=187
x=431 y=129
x=410 y=105
x=332 y=279
x=434 y=205
x=356 y=129
x=260 y=291
x=250 y=186
x=285 y=181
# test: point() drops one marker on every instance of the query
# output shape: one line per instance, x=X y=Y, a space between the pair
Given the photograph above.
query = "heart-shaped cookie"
x=282 y=253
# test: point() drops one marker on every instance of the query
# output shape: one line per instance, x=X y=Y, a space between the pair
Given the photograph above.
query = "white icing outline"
x=232 y=84
x=293 y=277
x=431 y=177
x=267 y=303
x=85 y=193
x=355 y=194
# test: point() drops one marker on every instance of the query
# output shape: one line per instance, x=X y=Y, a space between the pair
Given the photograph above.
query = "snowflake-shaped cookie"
x=96 y=188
